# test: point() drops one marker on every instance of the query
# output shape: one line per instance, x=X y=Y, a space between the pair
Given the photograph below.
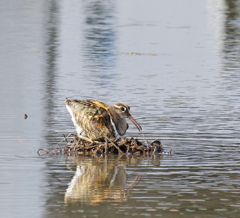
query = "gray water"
x=175 y=62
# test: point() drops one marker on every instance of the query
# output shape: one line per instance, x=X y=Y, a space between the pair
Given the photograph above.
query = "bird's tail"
x=67 y=101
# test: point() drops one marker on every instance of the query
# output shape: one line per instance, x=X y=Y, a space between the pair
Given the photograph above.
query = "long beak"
x=134 y=122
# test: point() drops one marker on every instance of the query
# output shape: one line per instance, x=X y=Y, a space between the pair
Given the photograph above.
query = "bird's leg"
x=84 y=138
x=106 y=145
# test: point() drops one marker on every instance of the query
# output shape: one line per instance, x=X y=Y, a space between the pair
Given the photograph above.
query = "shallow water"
x=176 y=63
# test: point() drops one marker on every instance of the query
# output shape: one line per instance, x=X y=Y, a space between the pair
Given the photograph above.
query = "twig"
x=41 y=149
x=134 y=182
x=89 y=147
x=119 y=151
x=64 y=139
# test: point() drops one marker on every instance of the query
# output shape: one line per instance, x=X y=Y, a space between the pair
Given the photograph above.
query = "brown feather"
x=93 y=118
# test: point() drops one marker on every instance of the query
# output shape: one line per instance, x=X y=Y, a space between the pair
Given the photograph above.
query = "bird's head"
x=119 y=112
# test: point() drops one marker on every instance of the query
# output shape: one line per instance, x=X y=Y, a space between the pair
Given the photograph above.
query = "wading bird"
x=96 y=121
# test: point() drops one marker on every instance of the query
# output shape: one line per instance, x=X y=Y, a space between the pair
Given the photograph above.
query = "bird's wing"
x=93 y=117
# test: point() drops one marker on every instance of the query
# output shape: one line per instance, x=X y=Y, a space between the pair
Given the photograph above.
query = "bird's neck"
x=119 y=122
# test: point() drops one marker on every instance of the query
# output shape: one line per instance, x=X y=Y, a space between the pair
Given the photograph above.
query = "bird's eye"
x=123 y=109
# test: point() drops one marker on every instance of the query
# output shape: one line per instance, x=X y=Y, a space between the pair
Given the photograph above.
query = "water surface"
x=176 y=63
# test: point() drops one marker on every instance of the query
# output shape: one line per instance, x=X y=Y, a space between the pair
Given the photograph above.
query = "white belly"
x=78 y=128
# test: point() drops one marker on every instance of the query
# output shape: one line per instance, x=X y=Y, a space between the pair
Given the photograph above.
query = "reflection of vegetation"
x=99 y=36
x=232 y=26
x=231 y=44
x=137 y=53
x=51 y=54
x=99 y=179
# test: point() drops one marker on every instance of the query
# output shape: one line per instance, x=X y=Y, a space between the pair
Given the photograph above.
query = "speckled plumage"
x=95 y=120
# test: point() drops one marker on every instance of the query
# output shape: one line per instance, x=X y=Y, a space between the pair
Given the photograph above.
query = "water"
x=176 y=63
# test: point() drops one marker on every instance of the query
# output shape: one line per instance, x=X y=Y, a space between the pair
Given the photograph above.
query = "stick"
x=119 y=151
x=65 y=138
x=41 y=149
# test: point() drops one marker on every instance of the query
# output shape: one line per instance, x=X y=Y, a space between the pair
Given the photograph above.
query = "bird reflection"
x=100 y=180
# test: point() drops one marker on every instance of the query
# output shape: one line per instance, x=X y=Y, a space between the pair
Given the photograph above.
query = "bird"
x=97 y=121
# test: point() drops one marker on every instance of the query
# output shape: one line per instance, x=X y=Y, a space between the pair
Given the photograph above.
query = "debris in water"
x=78 y=146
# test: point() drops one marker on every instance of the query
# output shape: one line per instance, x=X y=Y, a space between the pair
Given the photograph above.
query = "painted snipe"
x=96 y=121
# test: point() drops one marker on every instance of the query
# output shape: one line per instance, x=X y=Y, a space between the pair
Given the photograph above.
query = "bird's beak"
x=134 y=122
